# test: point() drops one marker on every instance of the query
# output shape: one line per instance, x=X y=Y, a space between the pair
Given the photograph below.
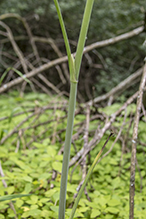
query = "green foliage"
x=10 y=197
x=110 y=18
x=29 y=171
x=118 y=15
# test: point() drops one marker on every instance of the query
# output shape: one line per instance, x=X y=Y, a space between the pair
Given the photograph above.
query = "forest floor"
x=32 y=134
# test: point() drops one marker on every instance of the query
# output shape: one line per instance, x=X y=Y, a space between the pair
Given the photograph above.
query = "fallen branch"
x=64 y=59
x=114 y=39
x=99 y=133
x=32 y=73
x=119 y=88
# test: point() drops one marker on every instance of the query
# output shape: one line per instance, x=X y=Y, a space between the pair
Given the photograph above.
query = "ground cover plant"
x=31 y=159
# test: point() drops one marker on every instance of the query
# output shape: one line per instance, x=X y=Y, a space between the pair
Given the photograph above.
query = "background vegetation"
x=109 y=18
x=30 y=143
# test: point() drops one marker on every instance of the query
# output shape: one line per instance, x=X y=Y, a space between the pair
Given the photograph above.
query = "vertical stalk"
x=83 y=35
x=63 y=29
x=74 y=67
x=66 y=155
x=134 y=144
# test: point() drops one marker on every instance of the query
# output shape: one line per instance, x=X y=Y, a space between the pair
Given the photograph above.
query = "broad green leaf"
x=43 y=200
x=45 y=213
x=109 y=110
x=27 y=178
x=57 y=166
x=10 y=189
x=114 y=202
x=33 y=213
x=51 y=151
x=44 y=176
x=19 y=203
x=38 y=145
x=22 y=165
x=112 y=210
x=50 y=192
x=2 y=216
x=95 y=213
x=44 y=163
x=71 y=188
x=55 y=197
x=54 y=208
x=92 y=204
x=34 y=199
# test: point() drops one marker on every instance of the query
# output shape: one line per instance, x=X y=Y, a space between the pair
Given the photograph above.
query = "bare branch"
x=15 y=47
x=134 y=142
x=119 y=88
x=114 y=39
x=64 y=59
x=32 y=73
x=99 y=133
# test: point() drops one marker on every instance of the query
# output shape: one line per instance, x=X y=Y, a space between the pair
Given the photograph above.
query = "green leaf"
x=2 y=216
x=55 y=197
x=66 y=41
x=38 y=145
x=51 y=151
x=44 y=176
x=110 y=109
x=10 y=189
x=112 y=210
x=21 y=75
x=95 y=213
x=19 y=203
x=71 y=188
x=15 y=70
x=50 y=192
x=22 y=165
x=33 y=212
x=34 y=199
x=54 y=208
x=10 y=197
x=27 y=178
x=114 y=202
x=57 y=166
x=102 y=201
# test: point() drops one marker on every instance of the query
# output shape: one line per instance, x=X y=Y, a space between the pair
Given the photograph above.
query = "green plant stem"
x=67 y=145
x=68 y=50
x=83 y=35
x=74 y=67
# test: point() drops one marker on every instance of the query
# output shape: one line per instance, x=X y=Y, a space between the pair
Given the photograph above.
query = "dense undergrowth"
x=32 y=133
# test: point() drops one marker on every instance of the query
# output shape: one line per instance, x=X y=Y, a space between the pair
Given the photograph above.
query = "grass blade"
x=10 y=197
x=87 y=178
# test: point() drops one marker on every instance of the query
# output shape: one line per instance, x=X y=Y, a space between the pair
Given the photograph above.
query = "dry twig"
x=134 y=142
x=98 y=134
x=119 y=88
x=62 y=59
